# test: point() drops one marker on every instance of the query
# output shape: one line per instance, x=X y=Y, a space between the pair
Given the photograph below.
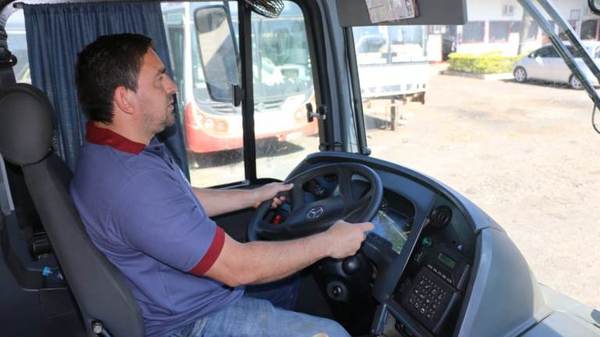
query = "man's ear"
x=123 y=99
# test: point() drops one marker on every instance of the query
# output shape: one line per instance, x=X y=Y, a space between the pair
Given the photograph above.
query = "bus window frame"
x=318 y=58
x=315 y=38
x=329 y=140
x=359 y=117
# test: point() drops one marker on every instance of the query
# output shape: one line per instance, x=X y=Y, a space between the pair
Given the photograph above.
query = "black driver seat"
x=103 y=295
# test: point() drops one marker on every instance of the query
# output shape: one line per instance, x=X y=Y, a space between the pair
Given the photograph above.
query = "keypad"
x=427 y=297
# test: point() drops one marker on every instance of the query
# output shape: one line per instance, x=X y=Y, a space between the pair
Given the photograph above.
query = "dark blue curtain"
x=55 y=35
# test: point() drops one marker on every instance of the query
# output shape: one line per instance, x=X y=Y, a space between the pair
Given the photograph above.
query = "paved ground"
x=525 y=153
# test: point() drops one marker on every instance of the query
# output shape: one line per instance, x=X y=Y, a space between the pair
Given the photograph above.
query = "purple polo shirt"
x=140 y=211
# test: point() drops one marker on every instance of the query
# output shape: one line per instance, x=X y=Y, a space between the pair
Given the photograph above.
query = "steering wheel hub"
x=314 y=213
x=321 y=195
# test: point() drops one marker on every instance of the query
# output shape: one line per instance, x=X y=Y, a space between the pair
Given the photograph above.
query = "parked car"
x=545 y=64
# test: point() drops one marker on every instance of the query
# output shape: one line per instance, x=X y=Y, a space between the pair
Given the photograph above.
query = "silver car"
x=545 y=64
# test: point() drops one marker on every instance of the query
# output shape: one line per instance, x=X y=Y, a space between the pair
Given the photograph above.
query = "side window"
x=283 y=85
x=370 y=45
x=499 y=31
x=515 y=27
x=407 y=44
x=532 y=32
x=212 y=129
x=589 y=29
x=547 y=52
x=176 y=46
x=552 y=52
x=574 y=51
x=17 y=44
x=540 y=52
x=204 y=58
x=474 y=32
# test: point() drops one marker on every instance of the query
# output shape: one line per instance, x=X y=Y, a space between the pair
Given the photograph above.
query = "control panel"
x=430 y=299
x=437 y=286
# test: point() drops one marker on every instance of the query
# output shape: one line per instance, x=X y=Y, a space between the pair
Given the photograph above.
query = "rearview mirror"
x=218 y=52
x=594 y=6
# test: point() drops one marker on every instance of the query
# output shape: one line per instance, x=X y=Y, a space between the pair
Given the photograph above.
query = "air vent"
x=440 y=217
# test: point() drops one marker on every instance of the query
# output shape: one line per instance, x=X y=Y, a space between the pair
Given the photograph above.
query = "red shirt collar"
x=102 y=136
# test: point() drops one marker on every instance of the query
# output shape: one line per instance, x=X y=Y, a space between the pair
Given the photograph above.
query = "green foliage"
x=489 y=63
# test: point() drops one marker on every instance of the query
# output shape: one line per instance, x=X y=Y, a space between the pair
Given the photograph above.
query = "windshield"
x=492 y=110
x=280 y=56
x=284 y=67
x=282 y=86
x=391 y=44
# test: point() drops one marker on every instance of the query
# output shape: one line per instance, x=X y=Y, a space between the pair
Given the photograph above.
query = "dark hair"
x=105 y=64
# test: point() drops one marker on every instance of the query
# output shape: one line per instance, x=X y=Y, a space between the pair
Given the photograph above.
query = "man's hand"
x=345 y=238
x=270 y=191
x=267 y=261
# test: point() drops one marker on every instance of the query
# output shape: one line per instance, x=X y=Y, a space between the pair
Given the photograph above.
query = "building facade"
x=500 y=26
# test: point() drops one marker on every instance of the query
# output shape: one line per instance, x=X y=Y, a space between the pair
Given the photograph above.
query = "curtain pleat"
x=56 y=33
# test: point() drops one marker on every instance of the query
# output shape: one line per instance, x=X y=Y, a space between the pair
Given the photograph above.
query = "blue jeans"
x=282 y=294
x=251 y=316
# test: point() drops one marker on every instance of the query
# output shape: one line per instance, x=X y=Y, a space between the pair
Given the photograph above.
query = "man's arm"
x=217 y=202
x=260 y=261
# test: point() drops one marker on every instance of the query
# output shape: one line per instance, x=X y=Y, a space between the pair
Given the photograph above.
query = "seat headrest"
x=26 y=124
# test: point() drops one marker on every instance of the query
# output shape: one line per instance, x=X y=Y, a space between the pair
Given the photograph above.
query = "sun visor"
x=429 y=12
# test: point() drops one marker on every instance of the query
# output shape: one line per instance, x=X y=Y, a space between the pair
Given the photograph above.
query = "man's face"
x=155 y=94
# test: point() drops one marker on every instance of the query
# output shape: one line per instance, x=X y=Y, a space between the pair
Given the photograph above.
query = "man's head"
x=121 y=77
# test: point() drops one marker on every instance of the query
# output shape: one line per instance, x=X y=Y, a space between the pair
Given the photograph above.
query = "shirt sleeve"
x=158 y=216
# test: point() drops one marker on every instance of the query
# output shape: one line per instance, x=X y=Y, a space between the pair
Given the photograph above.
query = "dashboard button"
x=351 y=265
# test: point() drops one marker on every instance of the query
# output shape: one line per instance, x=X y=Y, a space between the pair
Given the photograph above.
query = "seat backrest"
x=28 y=219
x=100 y=290
x=6 y=202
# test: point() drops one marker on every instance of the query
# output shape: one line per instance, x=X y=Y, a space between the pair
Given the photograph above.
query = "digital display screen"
x=446 y=260
x=390 y=229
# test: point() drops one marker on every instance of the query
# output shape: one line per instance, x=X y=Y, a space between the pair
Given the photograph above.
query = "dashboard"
x=434 y=265
x=413 y=269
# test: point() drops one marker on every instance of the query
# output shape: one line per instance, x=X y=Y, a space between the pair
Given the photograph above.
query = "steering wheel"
x=303 y=218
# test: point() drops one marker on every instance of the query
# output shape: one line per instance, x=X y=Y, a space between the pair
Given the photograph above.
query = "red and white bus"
x=283 y=82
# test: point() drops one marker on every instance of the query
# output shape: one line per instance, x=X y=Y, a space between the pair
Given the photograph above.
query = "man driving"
x=187 y=275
